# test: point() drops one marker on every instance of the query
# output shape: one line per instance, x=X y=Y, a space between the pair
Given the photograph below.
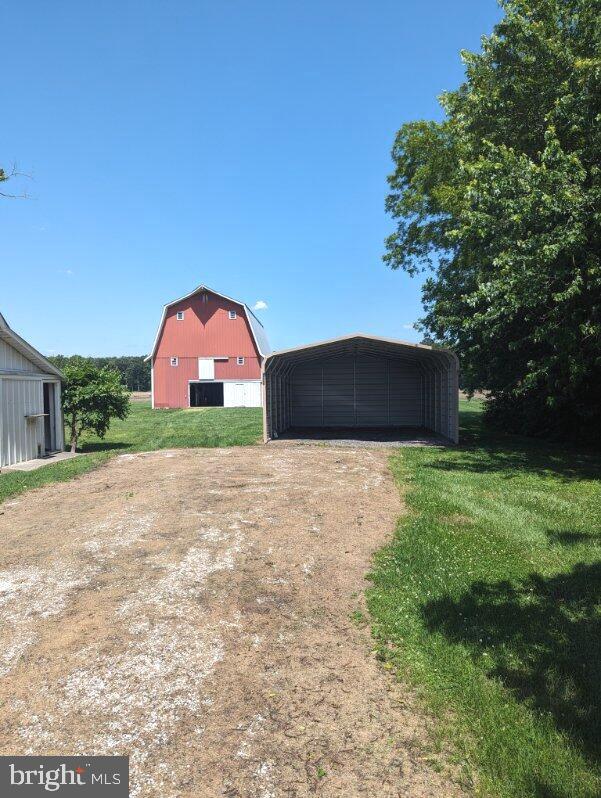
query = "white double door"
x=242 y=394
x=246 y=393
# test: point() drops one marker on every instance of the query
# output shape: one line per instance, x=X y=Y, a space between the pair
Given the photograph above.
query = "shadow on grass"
x=542 y=790
x=485 y=451
x=102 y=446
x=574 y=538
x=542 y=638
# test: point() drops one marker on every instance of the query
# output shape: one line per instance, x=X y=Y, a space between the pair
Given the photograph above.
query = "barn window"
x=180 y=315
x=174 y=361
x=232 y=314
x=240 y=360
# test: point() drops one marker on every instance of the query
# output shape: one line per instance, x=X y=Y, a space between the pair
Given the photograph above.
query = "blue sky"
x=242 y=144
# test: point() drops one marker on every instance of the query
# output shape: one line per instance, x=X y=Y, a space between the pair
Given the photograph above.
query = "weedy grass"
x=12 y=483
x=489 y=602
x=145 y=430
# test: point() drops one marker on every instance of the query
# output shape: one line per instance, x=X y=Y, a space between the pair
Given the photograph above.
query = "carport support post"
x=322 y=403
x=264 y=403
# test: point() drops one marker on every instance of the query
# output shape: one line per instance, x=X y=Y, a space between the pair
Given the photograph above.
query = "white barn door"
x=242 y=394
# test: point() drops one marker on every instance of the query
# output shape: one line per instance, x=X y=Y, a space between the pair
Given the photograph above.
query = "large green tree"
x=501 y=203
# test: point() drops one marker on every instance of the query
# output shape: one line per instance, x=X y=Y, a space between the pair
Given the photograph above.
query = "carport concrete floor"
x=364 y=437
x=192 y=609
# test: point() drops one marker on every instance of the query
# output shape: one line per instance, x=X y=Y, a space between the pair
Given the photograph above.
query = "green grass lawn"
x=144 y=430
x=489 y=602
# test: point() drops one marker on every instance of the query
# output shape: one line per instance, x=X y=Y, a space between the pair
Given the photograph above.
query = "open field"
x=489 y=600
x=192 y=608
x=146 y=430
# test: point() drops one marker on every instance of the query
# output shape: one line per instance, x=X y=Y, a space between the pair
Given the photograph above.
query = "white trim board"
x=224 y=380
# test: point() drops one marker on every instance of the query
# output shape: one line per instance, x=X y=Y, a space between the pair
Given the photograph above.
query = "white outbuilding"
x=31 y=419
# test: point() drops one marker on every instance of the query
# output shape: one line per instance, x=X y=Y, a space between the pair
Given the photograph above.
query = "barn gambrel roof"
x=256 y=327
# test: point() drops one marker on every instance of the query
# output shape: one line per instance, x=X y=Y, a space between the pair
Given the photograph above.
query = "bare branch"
x=14 y=172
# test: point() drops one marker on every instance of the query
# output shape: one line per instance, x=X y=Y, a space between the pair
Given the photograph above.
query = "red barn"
x=208 y=351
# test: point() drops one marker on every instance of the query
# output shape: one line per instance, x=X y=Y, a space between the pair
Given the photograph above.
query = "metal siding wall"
x=20 y=437
x=368 y=391
x=306 y=389
x=444 y=401
x=10 y=359
x=339 y=392
x=405 y=395
x=429 y=420
x=230 y=370
x=441 y=398
x=171 y=382
x=371 y=392
x=454 y=403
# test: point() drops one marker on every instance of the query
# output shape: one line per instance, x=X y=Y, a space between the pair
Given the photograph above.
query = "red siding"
x=205 y=331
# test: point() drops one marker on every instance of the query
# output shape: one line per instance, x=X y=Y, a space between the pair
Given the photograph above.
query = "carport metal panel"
x=437 y=406
x=367 y=390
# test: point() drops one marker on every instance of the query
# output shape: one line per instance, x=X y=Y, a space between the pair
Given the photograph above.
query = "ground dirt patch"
x=192 y=608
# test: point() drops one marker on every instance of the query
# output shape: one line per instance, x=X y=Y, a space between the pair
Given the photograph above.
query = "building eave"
x=29 y=352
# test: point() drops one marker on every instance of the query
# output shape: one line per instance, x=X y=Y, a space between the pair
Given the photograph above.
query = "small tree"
x=91 y=398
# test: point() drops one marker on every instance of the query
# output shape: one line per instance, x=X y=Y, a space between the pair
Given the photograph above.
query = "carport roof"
x=362 y=342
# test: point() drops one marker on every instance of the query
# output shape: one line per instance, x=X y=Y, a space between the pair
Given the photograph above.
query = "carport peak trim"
x=359 y=336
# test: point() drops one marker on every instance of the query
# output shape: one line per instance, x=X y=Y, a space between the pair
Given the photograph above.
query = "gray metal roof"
x=362 y=343
x=18 y=343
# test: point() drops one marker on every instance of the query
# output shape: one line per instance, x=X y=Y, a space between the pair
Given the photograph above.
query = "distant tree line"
x=135 y=373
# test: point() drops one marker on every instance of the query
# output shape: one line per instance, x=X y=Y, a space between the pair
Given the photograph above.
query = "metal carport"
x=361 y=381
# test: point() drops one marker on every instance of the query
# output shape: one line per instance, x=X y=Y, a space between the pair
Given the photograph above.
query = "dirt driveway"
x=192 y=608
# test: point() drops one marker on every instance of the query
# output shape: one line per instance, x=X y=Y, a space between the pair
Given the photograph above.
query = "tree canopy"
x=501 y=203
